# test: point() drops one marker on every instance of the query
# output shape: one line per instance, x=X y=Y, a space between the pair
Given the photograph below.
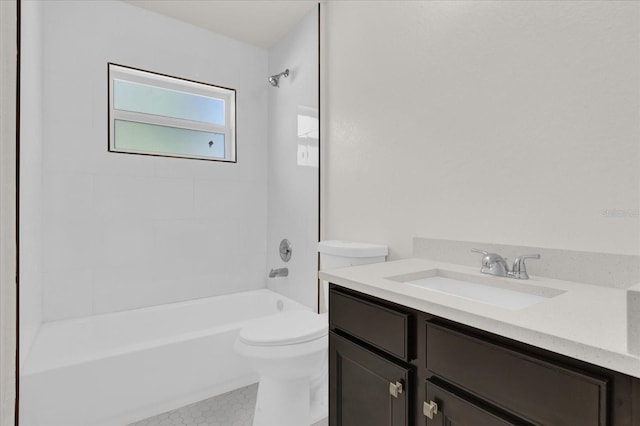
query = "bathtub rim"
x=47 y=364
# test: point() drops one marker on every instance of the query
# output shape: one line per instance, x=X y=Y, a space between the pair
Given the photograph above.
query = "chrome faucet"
x=280 y=272
x=494 y=264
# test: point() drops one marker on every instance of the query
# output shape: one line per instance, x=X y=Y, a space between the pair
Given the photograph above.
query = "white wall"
x=8 y=254
x=293 y=165
x=497 y=121
x=125 y=231
x=31 y=143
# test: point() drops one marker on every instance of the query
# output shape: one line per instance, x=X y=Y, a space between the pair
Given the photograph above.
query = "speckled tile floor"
x=233 y=408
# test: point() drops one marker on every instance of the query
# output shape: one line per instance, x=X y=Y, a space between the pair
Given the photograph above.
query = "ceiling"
x=258 y=22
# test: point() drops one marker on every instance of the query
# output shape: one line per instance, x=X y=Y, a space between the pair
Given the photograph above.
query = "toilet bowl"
x=289 y=350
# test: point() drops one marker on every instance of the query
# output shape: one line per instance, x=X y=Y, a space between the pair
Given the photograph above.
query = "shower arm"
x=274 y=80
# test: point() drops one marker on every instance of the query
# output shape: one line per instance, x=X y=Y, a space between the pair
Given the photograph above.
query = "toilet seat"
x=285 y=328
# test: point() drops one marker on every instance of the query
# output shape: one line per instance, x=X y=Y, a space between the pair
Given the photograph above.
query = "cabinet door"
x=453 y=410
x=364 y=387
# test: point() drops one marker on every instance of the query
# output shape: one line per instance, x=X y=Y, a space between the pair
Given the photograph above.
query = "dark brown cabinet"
x=366 y=389
x=393 y=365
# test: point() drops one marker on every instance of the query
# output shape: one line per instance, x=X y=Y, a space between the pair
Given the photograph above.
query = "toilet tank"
x=340 y=254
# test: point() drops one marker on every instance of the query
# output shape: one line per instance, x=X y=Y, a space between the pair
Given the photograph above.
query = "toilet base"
x=319 y=403
x=282 y=402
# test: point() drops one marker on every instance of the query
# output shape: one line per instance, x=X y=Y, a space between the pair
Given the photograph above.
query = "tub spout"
x=280 y=272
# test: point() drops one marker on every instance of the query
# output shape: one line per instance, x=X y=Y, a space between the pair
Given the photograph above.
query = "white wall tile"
x=31 y=177
x=135 y=197
x=214 y=198
x=126 y=242
x=171 y=198
x=68 y=293
x=68 y=195
x=70 y=244
x=184 y=239
x=149 y=228
x=122 y=287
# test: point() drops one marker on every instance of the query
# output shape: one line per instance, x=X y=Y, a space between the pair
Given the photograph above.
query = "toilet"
x=289 y=349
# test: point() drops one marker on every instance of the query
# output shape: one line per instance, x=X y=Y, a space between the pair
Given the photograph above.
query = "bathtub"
x=113 y=369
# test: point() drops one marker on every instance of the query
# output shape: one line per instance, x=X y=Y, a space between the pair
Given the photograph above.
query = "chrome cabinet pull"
x=395 y=389
x=430 y=409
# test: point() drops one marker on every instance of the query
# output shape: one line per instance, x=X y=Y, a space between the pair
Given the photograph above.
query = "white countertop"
x=587 y=322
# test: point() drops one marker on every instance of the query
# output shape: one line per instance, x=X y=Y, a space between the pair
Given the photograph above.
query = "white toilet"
x=289 y=349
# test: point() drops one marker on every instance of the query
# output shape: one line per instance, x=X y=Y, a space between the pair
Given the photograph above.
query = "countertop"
x=586 y=322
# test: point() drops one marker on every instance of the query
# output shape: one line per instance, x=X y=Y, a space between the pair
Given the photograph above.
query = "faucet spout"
x=493 y=264
x=280 y=272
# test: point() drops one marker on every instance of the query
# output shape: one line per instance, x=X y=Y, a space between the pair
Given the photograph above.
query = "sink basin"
x=501 y=292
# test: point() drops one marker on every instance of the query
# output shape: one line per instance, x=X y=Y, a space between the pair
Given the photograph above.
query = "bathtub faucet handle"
x=285 y=250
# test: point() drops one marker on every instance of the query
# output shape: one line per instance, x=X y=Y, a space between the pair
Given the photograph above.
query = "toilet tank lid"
x=352 y=248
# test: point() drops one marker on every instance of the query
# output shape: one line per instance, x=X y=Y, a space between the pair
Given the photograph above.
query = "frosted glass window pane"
x=163 y=115
x=128 y=96
x=156 y=139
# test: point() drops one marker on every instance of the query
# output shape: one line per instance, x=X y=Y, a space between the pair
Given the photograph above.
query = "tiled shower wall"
x=124 y=231
x=293 y=161
x=31 y=145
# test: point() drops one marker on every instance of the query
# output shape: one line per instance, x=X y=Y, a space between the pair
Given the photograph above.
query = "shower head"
x=274 y=79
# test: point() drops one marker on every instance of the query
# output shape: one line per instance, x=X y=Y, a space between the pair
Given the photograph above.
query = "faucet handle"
x=519 y=269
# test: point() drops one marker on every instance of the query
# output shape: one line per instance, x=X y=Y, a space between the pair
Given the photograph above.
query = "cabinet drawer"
x=532 y=388
x=456 y=410
x=377 y=325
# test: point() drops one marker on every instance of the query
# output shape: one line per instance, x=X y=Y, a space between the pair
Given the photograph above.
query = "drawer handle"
x=430 y=409
x=395 y=389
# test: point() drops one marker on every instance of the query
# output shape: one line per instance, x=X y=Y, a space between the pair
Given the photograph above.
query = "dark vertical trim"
x=635 y=401
x=319 y=156
x=18 y=47
x=235 y=130
x=109 y=107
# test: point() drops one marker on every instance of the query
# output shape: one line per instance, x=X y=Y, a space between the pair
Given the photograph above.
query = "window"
x=155 y=114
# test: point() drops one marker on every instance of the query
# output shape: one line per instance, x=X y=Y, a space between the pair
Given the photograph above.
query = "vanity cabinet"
x=393 y=365
x=371 y=381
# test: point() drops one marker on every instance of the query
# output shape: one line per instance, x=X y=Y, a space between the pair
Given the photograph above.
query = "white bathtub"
x=113 y=369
